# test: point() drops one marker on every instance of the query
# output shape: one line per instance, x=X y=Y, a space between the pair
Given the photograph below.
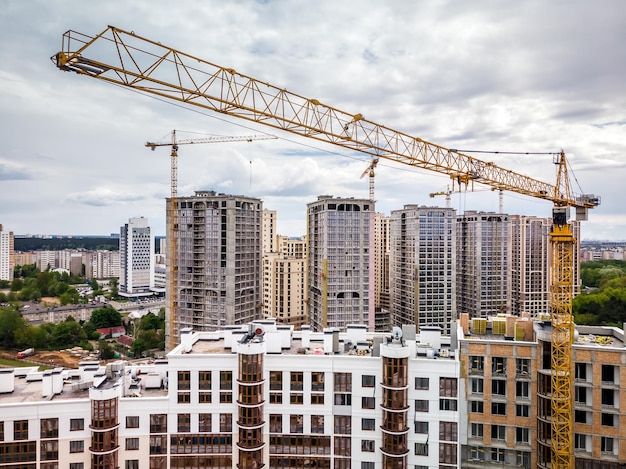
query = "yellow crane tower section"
x=126 y=59
x=172 y=272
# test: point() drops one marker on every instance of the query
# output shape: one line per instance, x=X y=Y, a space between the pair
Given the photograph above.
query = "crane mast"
x=129 y=60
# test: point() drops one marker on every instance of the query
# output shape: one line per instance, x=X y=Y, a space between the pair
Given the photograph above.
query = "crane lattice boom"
x=126 y=59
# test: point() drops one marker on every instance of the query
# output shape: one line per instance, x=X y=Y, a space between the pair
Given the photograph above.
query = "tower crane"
x=371 y=244
x=129 y=60
x=172 y=226
x=447 y=193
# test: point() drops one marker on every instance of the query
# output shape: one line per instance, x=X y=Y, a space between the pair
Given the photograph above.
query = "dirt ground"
x=53 y=359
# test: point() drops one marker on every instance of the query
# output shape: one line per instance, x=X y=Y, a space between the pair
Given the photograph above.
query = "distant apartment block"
x=7 y=259
x=217 y=265
x=381 y=265
x=269 y=231
x=483 y=263
x=136 y=258
x=102 y=264
x=422 y=266
x=338 y=261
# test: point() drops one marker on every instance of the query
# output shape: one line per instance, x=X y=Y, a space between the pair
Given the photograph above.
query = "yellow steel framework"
x=129 y=60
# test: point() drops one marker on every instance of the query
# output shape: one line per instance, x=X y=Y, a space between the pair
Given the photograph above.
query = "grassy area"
x=8 y=363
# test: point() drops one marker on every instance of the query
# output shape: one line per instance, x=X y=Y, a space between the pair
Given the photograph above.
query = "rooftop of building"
x=513 y=328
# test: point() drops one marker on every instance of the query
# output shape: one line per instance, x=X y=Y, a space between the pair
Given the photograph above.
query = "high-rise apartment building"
x=422 y=266
x=102 y=264
x=136 y=258
x=483 y=263
x=217 y=266
x=284 y=282
x=530 y=265
x=269 y=231
x=338 y=261
x=7 y=254
x=381 y=263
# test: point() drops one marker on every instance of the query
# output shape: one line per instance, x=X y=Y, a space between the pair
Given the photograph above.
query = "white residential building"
x=136 y=258
x=7 y=254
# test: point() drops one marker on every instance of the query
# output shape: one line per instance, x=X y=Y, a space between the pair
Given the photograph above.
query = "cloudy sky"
x=531 y=76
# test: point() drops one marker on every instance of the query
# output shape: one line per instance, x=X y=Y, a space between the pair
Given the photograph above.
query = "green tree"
x=12 y=327
x=17 y=284
x=113 y=285
x=105 y=317
x=106 y=351
x=67 y=334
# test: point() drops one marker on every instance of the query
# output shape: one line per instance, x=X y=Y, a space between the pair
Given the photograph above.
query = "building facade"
x=136 y=258
x=483 y=263
x=338 y=261
x=218 y=262
x=422 y=266
x=7 y=254
x=248 y=397
x=381 y=277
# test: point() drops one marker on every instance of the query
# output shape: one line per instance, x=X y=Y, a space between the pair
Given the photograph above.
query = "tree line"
x=603 y=299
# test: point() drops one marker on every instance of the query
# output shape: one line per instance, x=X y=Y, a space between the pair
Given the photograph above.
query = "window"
x=132 y=421
x=421 y=449
x=447 y=453
x=343 y=424
x=498 y=366
x=204 y=397
x=343 y=382
x=343 y=399
x=204 y=423
x=476 y=407
x=497 y=454
x=132 y=444
x=368 y=403
x=317 y=399
x=368 y=465
x=447 y=387
x=580 y=441
x=498 y=408
x=276 y=398
x=75 y=425
x=368 y=424
x=608 y=398
x=447 y=404
x=158 y=444
x=608 y=420
x=580 y=371
x=131 y=464
x=184 y=380
x=184 y=398
x=476 y=386
x=49 y=450
x=276 y=380
x=77 y=465
x=448 y=431
x=20 y=430
x=522 y=458
x=368 y=381
x=158 y=423
x=421 y=427
x=204 y=380
x=608 y=374
x=296 y=398
x=226 y=397
x=477 y=364
x=581 y=416
x=580 y=394
x=226 y=380
x=606 y=444
x=421 y=383
x=1 y=431
x=421 y=405
x=522 y=410
x=498 y=387
x=522 y=435
x=522 y=389
x=343 y=446
x=77 y=446
x=476 y=430
x=296 y=382
x=522 y=367
x=49 y=428
x=276 y=423
x=498 y=432
x=317 y=381
x=184 y=423
x=476 y=453
x=226 y=423
x=368 y=446
x=296 y=423
x=317 y=424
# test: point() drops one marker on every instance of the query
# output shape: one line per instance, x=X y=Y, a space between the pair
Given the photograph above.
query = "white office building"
x=136 y=258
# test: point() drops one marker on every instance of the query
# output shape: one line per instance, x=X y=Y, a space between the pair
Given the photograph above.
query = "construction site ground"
x=52 y=359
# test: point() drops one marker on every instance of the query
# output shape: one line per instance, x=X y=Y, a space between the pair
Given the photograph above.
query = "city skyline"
x=507 y=79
